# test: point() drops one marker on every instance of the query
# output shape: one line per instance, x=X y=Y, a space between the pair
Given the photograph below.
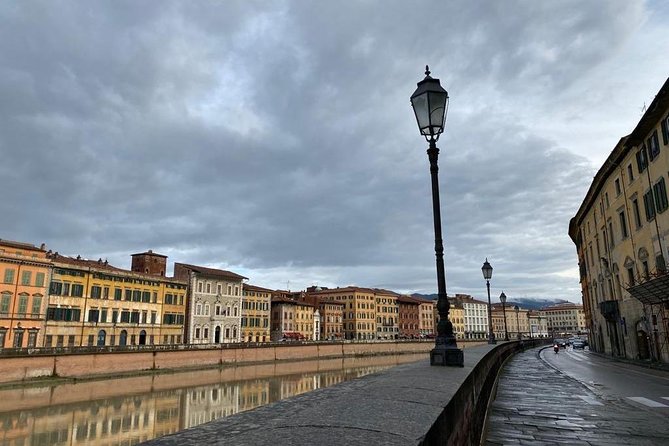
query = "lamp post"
x=529 y=325
x=502 y=298
x=487 y=275
x=517 y=310
x=430 y=104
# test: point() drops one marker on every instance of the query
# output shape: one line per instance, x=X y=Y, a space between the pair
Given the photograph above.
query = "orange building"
x=24 y=275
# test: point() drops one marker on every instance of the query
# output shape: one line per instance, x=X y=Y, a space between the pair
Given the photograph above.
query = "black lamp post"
x=487 y=275
x=430 y=104
x=529 y=325
x=502 y=298
x=517 y=310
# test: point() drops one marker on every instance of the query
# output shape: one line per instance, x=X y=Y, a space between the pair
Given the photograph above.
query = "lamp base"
x=447 y=356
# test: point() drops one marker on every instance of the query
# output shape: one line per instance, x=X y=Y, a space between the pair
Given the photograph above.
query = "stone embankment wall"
x=17 y=369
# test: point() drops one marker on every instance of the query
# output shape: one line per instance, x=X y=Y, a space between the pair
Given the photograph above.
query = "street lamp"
x=529 y=325
x=430 y=103
x=487 y=274
x=502 y=298
x=517 y=310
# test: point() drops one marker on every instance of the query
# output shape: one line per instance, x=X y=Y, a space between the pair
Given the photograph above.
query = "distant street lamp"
x=487 y=275
x=517 y=310
x=502 y=298
x=529 y=325
x=430 y=104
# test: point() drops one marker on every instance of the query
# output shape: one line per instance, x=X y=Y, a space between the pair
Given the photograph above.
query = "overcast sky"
x=276 y=139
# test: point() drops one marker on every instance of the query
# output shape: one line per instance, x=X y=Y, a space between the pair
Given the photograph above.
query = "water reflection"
x=131 y=410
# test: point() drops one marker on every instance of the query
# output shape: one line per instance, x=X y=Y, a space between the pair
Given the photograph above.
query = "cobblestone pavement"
x=539 y=405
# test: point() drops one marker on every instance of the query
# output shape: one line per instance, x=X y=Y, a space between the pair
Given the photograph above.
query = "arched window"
x=206 y=309
x=218 y=310
x=234 y=310
x=198 y=309
x=102 y=335
x=123 y=338
x=199 y=287
x=227 y=310
x=206 y=333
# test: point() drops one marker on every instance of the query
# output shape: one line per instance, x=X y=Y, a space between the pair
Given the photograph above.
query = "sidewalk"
x=537 y=404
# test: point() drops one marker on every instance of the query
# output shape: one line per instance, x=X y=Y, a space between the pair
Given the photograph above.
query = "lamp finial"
x=427 y=70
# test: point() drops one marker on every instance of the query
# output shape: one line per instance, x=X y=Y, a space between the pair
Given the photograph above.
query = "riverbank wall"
x=20 y=369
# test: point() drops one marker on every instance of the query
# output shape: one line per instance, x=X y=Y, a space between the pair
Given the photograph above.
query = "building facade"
x=291 y=319
x=256 y=307
x=426 y=309
x=25 y=274
x=359 y=314
x=621 y=235
x=387 y=314
x=409 y=317
x=92 y=303
x=475 y=316
x=565 y=320
x=456 y=315
x=214 y=304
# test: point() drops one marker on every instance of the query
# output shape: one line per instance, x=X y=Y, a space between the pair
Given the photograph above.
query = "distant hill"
x=530 y=303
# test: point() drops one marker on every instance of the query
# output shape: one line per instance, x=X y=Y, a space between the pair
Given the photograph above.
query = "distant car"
x=578 y=344
x=561 y=342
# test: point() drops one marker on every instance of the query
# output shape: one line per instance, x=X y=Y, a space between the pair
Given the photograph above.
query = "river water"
x=127 y=411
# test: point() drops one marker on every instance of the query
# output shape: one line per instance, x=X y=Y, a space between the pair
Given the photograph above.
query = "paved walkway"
x=539 y=405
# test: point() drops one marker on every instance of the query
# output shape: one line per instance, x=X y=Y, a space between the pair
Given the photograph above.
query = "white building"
x=475 y=316
x=214 y=304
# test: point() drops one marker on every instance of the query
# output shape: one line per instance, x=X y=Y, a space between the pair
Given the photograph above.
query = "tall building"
x=621 y=235
x=456 y=315
x=359 y=315
x=92 y=303
x=426 y=310
x=475 y=315
x=256 y=307
x=25 y=271
x=214 y=304
x=331 y=314
x=292 y=319
x=409 y=317
x=387 y=314
x=565 y=319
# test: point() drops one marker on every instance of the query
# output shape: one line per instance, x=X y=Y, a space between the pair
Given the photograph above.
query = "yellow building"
x=387 y=314
x=456 y=315
x=620 y=232
x=256 y=302
x=24 y=275
x=359 y=315
x=92 y=303
x=564 y=320
x=291 y=319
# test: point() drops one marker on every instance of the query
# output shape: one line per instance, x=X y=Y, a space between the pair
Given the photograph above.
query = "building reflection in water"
x=128 y=411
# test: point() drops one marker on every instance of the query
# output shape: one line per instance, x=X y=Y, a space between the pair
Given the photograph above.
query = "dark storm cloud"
x=277 y=139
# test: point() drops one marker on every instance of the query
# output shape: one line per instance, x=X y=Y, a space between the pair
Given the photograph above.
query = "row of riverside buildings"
x=50 y=300
x=621 y=234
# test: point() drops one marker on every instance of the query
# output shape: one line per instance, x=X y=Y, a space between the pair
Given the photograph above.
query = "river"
x=127 y=411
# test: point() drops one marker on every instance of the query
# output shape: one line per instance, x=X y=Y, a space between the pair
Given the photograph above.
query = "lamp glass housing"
x=502 y=297
x=430 y=105
x=487 y=270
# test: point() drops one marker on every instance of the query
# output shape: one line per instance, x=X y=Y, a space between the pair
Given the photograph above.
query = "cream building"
x=214 y=304
x=475 y=316
x=565 y=320
x=621 y=233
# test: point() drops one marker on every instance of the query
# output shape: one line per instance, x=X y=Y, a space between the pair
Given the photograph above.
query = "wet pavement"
x=539 y=405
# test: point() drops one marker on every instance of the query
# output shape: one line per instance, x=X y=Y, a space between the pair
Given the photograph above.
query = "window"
x=660 y=264
x=617 y=183
x=103 y=315
x=125 y=316
x=653 y=146
x=660 y=192
x=9 y=275
x=118 y=293
x=637 y=214
x=93 y=315
x=23 y=304
x=105 y=292
x=630 y=173
x=96 y=292
x=208 y=287
x=77 y=290
x=146 y=296
x=199 y=287
x=25 y=277
x=623 y=224
x=39 y=279
x=128 y=294
x=37 y=306
x=136 y=296
x=649 y=205
x=665 y=130
x=641 y=160
x=63 y=314
x=4 y=303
